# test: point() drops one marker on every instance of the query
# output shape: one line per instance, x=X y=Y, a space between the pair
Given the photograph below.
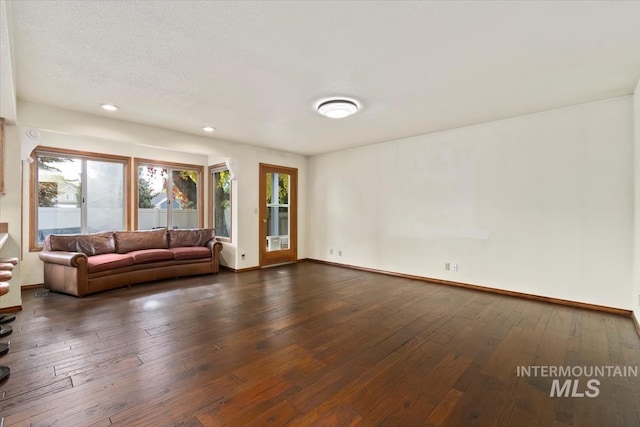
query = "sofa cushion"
x=190 y=237
x=151 y=255
x=129 y=241
x=104 y=262
x=191 y=252
x=88 y=244
x=72 y=243
x=103 y=243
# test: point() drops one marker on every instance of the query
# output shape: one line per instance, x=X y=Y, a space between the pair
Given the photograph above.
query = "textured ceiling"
x=256 y=70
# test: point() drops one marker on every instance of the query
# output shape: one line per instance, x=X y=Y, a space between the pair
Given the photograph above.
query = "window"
x=168 y=195
x=220 y=208
x=77 y=192
x=277 y=194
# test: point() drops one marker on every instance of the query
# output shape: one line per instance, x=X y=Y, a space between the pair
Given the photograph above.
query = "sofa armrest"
x=216 y=248
x=65 y=272
x=63 y=258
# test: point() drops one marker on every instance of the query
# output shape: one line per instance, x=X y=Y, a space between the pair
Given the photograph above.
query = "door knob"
x=264 y=221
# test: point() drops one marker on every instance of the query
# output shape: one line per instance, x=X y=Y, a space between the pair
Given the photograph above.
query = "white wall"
x=635 y=297
x=540 y=204
x=71 y=130
x=7 y=65
x=10 y=212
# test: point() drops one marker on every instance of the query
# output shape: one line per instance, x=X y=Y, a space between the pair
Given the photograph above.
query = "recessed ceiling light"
x=337 y=108
x=109 y=107
x=208 y=129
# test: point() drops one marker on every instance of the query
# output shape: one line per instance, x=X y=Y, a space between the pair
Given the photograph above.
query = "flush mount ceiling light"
x=208 y=129
x=337 y=108
x=109 y=107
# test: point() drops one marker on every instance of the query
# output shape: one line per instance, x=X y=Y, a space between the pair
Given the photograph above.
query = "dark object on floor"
x=5 y=330
x=6 y=318
x=4 y=348
x=4 y=373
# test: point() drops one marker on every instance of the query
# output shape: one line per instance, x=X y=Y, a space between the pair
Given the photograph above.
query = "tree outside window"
x=168 y=195
x=222 y=203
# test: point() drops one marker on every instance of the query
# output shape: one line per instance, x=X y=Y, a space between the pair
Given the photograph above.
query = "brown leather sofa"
x=83 y=264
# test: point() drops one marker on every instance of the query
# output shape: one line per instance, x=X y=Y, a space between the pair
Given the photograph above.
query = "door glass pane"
x=269 y=187
x=105 y=196
x=184 y=208
x=152 y=197
x=59 y=196
x=277 y=211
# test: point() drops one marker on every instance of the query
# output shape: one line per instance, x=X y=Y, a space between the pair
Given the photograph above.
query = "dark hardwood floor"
x=310 y=344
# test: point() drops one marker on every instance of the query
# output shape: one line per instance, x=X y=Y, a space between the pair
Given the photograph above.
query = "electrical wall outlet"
x=447 y=266
x=330 y=251
x=454 y=266
x=242 y=255
x=340 y=252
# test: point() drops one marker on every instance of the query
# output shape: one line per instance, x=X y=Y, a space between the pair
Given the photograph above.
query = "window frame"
x=170 y=166
x=34 y=246
x=211 y=183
